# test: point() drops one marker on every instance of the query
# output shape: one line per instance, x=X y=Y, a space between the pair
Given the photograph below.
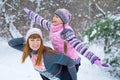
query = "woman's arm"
x=38 y=19
x=17 y=43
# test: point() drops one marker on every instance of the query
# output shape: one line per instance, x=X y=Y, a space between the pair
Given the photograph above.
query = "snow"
x=14 y=32
x=12 y=69
x=93 y=33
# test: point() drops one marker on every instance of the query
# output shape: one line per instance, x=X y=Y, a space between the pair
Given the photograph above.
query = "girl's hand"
x=99 y=63
x=26 y=9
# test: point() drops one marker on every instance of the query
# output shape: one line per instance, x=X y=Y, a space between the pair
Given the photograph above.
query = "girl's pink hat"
x=33 y=31
x=64 y=14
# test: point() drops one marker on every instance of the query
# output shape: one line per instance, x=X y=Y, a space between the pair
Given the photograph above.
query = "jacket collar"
x=57 y=28
x=34 y=51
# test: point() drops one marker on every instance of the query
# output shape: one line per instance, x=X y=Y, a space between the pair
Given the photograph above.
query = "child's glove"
x=99 y=63
x=26 y=10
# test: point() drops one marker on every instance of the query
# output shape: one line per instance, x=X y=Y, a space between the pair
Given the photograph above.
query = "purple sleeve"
x=39 y=20
x=78 y=45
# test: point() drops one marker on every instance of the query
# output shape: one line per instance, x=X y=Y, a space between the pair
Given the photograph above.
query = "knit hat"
x=64 y=14
x=33 y=31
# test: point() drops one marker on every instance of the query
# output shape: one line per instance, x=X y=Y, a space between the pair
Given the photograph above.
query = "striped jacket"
x=74 y=45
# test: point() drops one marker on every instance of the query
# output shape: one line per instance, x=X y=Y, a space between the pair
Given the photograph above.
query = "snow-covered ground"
x=12 y=69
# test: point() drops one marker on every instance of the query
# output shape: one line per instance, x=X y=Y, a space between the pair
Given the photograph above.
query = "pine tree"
x=108 y=29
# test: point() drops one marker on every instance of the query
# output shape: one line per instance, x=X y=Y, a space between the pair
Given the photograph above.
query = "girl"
x=46 y=61
x=62 y=36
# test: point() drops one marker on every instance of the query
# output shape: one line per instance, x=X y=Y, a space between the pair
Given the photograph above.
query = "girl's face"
x=56 y=20
x=34 y=43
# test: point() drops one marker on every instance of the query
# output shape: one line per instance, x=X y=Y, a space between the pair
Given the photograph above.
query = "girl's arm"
x=17 y=43
x=38 y=19
x=77 y=44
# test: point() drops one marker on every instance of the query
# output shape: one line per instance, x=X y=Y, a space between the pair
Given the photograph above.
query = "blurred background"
x=94 y=21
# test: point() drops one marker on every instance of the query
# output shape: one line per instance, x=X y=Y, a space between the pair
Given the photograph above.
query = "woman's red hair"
x=40 y=52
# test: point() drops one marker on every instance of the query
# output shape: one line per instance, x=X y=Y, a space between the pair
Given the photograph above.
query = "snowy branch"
x=10 y=6
x=100 y=9
x=2 y=4
x=13 y=31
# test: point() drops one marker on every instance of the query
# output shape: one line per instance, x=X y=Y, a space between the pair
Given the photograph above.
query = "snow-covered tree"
x=107 y=29
x=84 y=13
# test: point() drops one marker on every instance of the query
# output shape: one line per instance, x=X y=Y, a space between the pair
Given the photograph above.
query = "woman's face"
x=34 y=43
x=56 y=20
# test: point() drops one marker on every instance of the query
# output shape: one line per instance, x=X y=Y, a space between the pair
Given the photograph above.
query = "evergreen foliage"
x=108 y=29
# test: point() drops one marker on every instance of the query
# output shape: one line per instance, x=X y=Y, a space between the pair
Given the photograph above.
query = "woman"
x=46 y=61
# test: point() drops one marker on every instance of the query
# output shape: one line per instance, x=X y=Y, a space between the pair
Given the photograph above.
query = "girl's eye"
x=57 y=17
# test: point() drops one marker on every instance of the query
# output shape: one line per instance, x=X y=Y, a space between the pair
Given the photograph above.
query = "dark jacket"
x=57 y=65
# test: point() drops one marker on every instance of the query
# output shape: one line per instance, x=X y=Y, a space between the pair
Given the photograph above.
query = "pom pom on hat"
x=33 y=31
x=64 y=14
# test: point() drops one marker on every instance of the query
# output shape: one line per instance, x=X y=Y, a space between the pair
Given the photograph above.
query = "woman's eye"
x=32 y=39
x=38 y=39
